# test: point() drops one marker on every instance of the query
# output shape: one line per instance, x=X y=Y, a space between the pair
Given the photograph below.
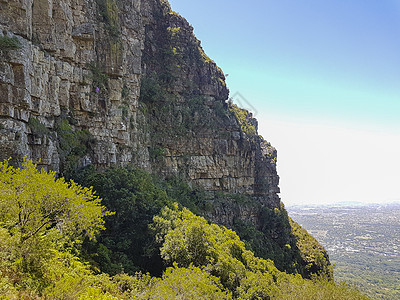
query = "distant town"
x=363 y=241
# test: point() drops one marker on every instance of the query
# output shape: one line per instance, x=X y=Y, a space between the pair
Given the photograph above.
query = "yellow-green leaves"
x=33 y=203
x=187 y=283
x=245 y=119
x=41 y=219
x=194 y=247
x=190 y=240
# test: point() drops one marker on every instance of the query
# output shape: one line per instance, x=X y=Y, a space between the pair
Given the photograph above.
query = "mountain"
x=110 y=83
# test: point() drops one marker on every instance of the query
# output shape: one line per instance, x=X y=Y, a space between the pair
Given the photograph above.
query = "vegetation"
x=132 y=194
x=9 y=43
x=151 y=90
x=108 y=10
x=37 y=127
x=311 y=251
x=245 y=119
x=156 y=153
x=181 y=118
x=189 y=240
x=43 y=221
x=283 y=241
x=137 y=196
x=99 y=78
x=73 y=146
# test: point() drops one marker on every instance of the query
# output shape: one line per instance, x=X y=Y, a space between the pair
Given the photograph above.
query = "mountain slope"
x=126 y=83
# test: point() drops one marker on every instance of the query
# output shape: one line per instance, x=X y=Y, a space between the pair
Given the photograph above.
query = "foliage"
x=156 y=153
x=37 y=127
x=43 y=219
x=132 y=194
x=188 y=240
x=313 y=254
x=9 y=43
x=185 y=118
x=99 y=78
x=151 y=90
x=245 y=119
x=190 y=196
x=39 y=216
x=73 y=146
x=187 y=283
x=108 y=10
x=135 y=196
x=264 y=286
x=282 y=240
x=33 y=201
x=203 y=56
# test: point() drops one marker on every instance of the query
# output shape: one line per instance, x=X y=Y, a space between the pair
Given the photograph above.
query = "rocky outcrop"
x=84 y=63
x=77 y=60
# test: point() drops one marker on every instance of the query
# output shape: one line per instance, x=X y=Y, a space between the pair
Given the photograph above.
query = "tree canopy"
x=40 y=215
x=43 y=221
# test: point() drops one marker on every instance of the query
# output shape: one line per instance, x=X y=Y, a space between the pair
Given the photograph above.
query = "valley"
x=363 y=242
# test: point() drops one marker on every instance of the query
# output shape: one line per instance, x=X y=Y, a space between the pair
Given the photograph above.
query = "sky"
x=323 y=80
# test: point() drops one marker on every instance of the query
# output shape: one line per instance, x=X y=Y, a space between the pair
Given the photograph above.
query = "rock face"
x=76 y=59
x=131 y=76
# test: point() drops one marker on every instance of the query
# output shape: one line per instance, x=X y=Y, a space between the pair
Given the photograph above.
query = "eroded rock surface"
x=80 y=67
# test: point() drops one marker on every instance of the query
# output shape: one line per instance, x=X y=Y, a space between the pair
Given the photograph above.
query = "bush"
x=187 y=283
x=73 y=146
x=9 y=43
x=245 y=119
x=126 y=245
x=41 y=219
x=37 y=127
x=189 y=240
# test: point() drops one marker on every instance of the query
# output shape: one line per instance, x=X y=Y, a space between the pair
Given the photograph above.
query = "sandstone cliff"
x=122 y=82
x=80 y=67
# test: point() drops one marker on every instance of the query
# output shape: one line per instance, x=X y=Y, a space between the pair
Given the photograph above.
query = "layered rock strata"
x=132 y=75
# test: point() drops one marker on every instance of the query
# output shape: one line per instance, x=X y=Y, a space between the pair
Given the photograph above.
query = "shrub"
x=245 y=119
x=99 y=78
x=9 y=43
x=41 y=219
x=37 y=127
x=73 y=145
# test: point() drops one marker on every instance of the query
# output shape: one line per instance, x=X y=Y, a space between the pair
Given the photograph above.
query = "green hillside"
x=55 y=244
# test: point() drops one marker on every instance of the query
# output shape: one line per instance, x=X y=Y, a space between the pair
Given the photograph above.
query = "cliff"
x=116 y=83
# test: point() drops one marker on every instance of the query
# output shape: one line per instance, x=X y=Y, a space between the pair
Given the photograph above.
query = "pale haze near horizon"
x=323 y=80
x=321 y=164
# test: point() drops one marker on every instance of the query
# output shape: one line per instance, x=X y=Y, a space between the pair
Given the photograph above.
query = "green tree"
x=186 y=284
x=39 y=213
x=125 y=244
x=189 y=239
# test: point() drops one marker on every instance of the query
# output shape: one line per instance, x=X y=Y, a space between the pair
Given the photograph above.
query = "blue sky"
x=330 y=68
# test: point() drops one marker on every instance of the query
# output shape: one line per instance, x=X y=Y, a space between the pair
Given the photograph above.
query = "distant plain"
x=363 y=241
